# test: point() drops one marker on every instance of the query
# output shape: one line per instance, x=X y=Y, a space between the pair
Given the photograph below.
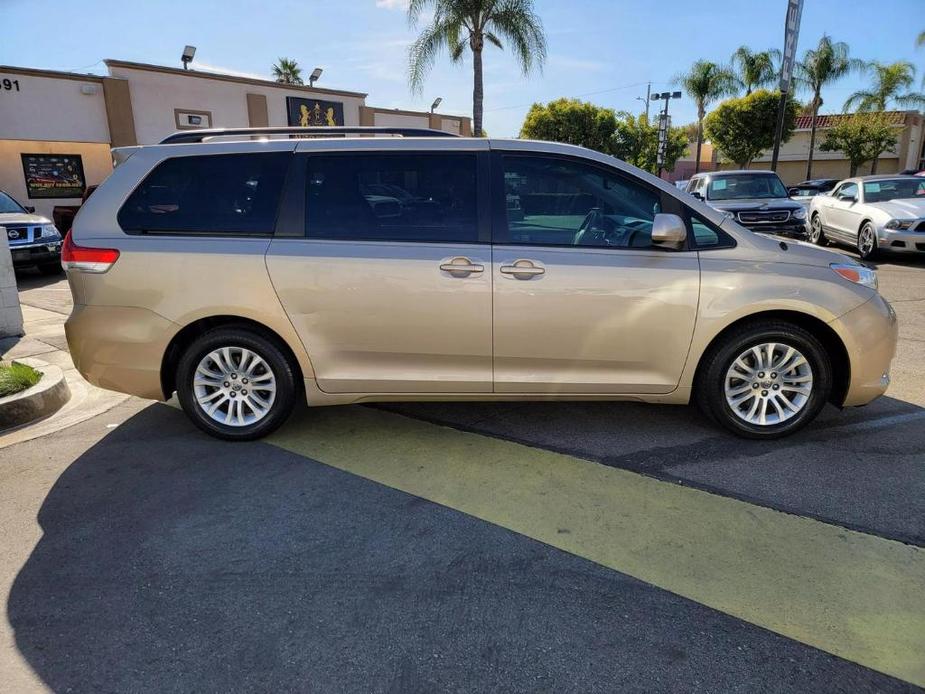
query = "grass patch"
x=15 y=377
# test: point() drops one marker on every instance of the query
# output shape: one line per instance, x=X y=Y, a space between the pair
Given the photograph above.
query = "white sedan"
x=873 y=214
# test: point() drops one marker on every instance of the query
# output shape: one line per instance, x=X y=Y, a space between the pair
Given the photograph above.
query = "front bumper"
x=869 y=333
x=28 y=254
x=901 y=241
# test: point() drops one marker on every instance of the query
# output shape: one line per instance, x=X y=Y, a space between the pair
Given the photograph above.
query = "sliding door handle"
x=522 y=269
x=461 y=267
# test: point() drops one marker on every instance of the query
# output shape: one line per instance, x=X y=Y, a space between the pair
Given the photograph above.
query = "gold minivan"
x=245 y=273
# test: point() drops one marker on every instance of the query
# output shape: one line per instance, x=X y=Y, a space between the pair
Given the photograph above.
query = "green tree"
x=705 y=82
x=287 y=71
x=571 y=121
x=457 y=24
x=755 y=69
x=742 y=128
x=636 y=142
x=828 y=62
x=862 y=137
x=890 y=83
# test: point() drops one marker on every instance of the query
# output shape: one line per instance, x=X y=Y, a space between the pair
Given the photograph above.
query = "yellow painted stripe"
x=854 y=595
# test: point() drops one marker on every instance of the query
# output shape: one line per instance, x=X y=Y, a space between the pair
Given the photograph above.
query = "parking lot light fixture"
x=437 y=102
x=187 y=57
x=312 y=78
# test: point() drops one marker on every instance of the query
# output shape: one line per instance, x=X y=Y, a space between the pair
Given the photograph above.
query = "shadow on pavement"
x=173 y=562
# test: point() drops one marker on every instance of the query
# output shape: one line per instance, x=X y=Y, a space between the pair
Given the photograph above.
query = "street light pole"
x=664 y=126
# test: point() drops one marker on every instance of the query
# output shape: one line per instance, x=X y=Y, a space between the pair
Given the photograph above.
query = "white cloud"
x=392 y=4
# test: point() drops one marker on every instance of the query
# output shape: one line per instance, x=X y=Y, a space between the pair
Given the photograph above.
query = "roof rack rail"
x=200 y=135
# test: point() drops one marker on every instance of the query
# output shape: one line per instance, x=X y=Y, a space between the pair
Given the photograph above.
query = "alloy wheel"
x=768 y=384
x=866 y=242
x=234 y=386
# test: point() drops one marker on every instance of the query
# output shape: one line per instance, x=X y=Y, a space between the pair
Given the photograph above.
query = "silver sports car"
x=873 y=214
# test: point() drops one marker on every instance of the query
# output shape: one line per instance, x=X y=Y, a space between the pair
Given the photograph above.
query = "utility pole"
x=664 y=127
x=647 y=99
x=791 y=34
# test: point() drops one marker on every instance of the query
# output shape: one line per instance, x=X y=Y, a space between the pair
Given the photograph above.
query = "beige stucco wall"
x=52 y=108
x=156 y=94
x=97 y=163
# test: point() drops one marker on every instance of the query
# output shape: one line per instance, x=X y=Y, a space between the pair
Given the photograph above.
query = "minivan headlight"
x=49 y=232
x=899 y=224
x=800 y=213
x=859 y=274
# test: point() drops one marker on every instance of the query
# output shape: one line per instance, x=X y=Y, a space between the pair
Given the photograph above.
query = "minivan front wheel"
x=765 y=380
x=235 y=384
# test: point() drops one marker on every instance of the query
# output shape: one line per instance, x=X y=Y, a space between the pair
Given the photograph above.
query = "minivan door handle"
x=461 y=267
x=522 y=270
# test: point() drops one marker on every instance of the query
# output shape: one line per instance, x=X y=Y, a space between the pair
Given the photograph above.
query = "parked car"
x=804 y=192
x=757 y=200
x=872 y=214
x=681 y=185
x=607 y=284
x=33 y=239
x=63 y=215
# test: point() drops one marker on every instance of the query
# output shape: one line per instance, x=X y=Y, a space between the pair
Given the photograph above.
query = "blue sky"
x=599 y=50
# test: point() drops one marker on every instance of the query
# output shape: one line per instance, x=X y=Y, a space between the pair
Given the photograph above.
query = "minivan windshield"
x=894 y=189
x=744 y=186
x=8 y=205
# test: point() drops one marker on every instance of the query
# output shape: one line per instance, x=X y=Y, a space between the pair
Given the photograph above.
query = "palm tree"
x=889 y=85
x=705 y=83
x=755 y=69
x=828 y=62
x=457 y=24
x=287 y=71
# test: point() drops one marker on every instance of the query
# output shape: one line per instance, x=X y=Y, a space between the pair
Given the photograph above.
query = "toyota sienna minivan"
x=248 y=274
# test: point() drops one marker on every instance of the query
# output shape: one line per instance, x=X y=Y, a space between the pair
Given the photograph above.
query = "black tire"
x=51 y=268
x=237 y=337
x=867 y=252
x=815 y=234
x=709 y=388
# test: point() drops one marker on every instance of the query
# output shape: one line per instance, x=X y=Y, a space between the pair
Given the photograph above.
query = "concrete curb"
x=41 y=400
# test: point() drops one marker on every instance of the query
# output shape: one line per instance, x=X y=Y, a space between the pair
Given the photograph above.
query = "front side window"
x=559 y=202
x=745 y=186
x=208 y=194
x=849 y=190
x=9 y=205
x=392 y=197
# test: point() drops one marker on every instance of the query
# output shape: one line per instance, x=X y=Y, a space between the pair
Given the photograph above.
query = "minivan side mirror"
x=848 y=198
x=30 y=209
x=697 y=194
x=669 y=231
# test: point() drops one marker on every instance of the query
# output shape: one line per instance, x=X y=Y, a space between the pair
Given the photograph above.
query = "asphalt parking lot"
x=473 y=547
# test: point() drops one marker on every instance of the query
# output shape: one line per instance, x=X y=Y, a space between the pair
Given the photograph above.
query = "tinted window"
x=217 y=194
x=392 y=197
x=704 y=234
x=552 y=201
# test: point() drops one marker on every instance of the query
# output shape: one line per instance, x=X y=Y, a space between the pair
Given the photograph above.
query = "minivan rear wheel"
x=765 y=380
x=235 y=384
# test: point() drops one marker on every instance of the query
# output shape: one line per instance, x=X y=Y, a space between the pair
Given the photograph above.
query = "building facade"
x=57 y=128
x=909 y=152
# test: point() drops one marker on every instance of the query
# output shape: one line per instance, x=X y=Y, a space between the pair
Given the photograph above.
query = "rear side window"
x=209 y=194
x=392 y=197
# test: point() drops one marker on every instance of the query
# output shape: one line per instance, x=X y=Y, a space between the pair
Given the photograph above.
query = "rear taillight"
x=85 y=259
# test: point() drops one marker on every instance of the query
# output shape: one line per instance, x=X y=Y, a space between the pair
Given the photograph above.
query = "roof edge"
x=112 y=62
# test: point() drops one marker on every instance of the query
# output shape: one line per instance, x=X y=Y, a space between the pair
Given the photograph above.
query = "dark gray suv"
x=757 y=200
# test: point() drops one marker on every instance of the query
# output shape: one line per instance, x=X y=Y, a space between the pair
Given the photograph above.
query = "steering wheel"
x=586 y=228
